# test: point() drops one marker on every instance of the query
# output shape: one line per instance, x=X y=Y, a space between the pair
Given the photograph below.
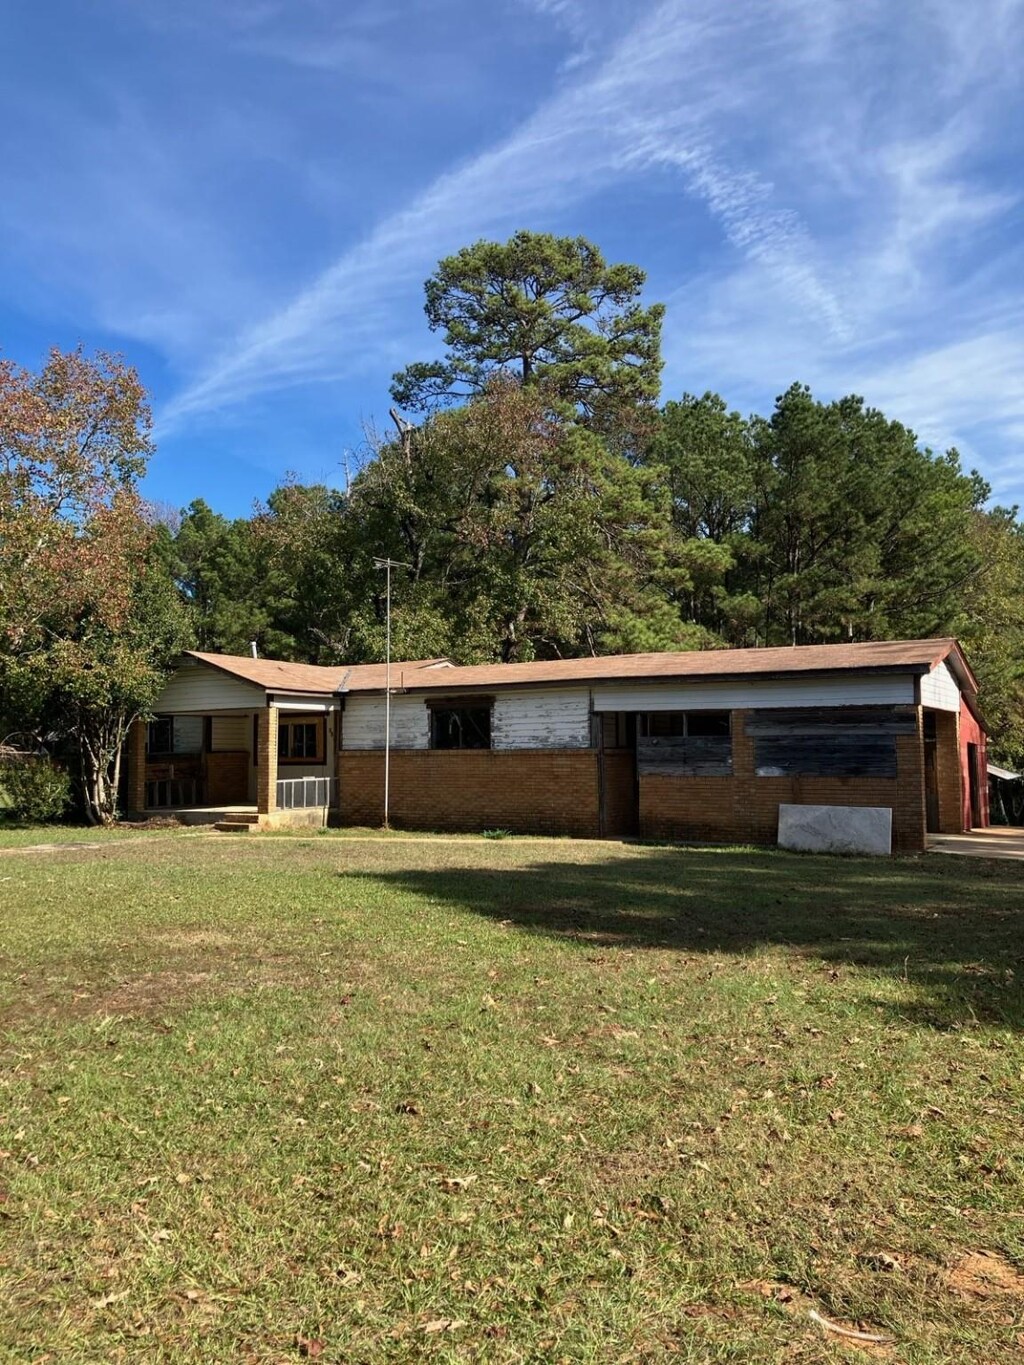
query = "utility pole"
x=388 y=565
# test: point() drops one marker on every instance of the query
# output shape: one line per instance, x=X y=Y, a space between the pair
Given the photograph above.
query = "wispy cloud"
x=251 y=192
x=629 y=115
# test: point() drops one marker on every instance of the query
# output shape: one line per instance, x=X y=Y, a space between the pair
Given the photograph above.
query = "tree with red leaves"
x=89 y=616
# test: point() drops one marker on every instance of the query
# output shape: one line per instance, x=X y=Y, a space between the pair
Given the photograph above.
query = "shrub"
x=36 y=789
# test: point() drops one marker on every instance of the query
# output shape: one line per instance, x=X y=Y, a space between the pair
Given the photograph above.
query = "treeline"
x=541 y=502
x=544 y=505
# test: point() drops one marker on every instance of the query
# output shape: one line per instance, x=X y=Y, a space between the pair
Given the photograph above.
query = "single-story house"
x=696 y=745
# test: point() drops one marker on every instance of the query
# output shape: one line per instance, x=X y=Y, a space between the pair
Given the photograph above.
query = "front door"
x=620 y=790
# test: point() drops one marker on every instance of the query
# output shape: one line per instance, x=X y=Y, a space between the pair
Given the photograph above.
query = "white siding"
x=841 y=690
x=939 y=689
x=195 y=687
x=362 y=723
x=230 y=733
x=556 y=719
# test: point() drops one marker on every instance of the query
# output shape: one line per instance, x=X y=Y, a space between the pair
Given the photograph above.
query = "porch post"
x=266 y=770
x=135 y=790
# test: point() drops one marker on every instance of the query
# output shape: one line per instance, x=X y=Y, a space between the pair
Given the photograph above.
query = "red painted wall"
x=972 y=733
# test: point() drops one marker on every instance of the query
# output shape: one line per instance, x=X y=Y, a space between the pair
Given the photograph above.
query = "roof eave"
x=762 y=675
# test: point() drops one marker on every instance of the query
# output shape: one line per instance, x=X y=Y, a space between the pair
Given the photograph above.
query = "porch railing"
x=166 y=793
x=300 y=793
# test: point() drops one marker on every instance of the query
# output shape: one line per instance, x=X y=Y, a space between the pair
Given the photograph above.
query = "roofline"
x=265 y=688
x=222 y=668
x=961 y=665
x=952 y=652
x=634 y=678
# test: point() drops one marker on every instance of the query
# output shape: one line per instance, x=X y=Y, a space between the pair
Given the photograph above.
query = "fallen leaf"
x=443 y=1325
x=457 y=1182
x=108 y=1299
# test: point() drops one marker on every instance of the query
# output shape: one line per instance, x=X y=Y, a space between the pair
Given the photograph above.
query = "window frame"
x=152 y=751
x=451 y=705
x=644 y=727
x=318 y=724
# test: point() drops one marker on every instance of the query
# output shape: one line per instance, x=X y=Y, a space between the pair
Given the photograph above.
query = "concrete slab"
x=998 y=842
x=836 y=829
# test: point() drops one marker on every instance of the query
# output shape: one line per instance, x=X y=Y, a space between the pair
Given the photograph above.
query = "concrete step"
x=236 y=826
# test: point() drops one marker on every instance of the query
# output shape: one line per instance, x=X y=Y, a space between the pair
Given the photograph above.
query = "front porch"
x=256 y=768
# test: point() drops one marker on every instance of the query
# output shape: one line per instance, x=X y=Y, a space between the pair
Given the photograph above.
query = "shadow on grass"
x=951 y=928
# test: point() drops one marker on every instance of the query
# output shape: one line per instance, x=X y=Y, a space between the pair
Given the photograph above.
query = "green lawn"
x=361 y=1101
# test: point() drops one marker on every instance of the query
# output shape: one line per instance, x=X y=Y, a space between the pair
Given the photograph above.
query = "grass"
x=14 y=834
x=361 y=1101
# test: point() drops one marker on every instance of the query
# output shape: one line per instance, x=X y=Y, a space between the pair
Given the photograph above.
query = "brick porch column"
x=266 y=770
x=135 y=789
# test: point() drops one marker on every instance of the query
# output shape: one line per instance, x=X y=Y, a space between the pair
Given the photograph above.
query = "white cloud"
x=633 y=112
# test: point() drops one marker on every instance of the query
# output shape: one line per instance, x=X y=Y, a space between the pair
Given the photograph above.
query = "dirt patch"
x=985 y=1275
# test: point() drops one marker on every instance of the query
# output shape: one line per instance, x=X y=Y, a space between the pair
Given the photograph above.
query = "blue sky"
x=245 y=196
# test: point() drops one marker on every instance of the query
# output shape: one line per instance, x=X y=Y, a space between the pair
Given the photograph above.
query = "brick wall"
x=541 y=791
x=266 y=766
x=948 y=772
x=550 y=791
x=970 y=732
x=745 y=808
x=135 y=787
x=227 y=778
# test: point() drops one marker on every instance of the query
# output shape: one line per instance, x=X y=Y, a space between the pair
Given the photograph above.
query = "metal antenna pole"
x=388 y=565
x=387 y=708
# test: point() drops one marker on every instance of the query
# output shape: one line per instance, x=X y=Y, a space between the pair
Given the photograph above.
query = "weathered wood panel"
x=840 y=690
x=555 y=719
x=939 y=690
x=201 y=689
x=363 y=723
x=699 y=756
x=833 y=721
x=836 y=755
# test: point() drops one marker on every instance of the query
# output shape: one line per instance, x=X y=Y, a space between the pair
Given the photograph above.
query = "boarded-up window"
x=843 y=741
x=685 y=744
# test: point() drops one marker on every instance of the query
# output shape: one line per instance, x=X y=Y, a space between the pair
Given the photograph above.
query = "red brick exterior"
x=970 y=732
x=949 y=772
x=539 y=791
x=744 y=808
x=557 y=791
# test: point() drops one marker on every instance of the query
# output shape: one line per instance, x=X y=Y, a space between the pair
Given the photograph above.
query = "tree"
x=524 y=532
x=856 y=532
x=89 y=617
x=707 y=454
x=543 y=310
x=222 y=570
x=991 y=628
